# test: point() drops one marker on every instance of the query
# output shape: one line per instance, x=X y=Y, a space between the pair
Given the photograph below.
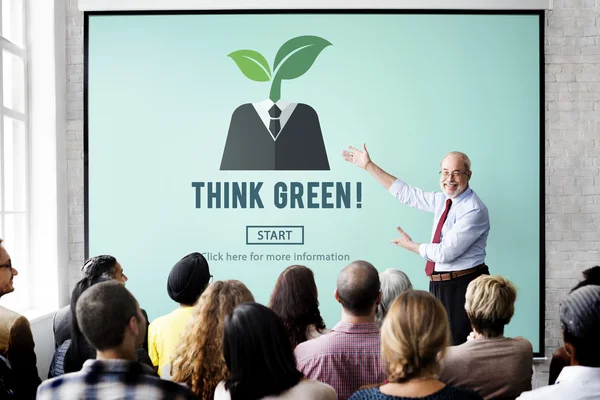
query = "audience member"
x=579 y=317
x=295 y=300
x=95 y=269
x=198 y=360
x=260 y=360
x=489 y=363
x=348 y=357
x=112 y=322
x=16 y=339
x=187 y=280
x=393 y=282
x=560 y=358
x=79 y=349
x=6 y=380
x=414 y=336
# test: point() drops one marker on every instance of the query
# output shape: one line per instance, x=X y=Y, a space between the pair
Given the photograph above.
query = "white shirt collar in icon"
x=262 y=109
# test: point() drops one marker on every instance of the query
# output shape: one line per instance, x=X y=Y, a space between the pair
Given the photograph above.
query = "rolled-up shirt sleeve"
x=412 y=196
x=458 y=239
x=423 y=251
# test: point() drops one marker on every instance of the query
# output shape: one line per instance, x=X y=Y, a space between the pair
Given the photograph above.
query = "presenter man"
x=456 y=254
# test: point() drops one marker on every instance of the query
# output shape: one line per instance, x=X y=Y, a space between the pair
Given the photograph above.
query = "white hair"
x=465 y=158
x=393 y=282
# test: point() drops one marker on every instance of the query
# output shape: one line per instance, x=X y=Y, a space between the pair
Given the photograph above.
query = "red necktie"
x=429 y=267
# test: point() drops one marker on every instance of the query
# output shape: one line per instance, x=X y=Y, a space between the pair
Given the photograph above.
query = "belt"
x=447 y=276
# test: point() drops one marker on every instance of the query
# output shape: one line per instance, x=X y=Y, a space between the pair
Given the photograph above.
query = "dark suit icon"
x=297 y=145
x=275 y=134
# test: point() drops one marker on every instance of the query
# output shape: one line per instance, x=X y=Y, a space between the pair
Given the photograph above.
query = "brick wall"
x=572 y=56
x=572 y=53
x=74 y=40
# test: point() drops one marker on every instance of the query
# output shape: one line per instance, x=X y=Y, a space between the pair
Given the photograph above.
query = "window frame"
x=20 y=300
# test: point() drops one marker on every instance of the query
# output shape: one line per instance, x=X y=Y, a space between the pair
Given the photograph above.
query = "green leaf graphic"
x=252 y=64
x=301 y=53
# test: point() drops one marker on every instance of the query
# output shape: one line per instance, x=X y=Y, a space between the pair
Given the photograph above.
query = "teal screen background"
x=161 y=93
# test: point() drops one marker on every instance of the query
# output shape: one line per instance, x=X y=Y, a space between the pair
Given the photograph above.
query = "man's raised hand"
x=358 y=157
x=404 y=240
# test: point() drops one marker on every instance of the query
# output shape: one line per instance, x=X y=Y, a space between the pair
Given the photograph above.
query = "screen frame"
x=538 y=353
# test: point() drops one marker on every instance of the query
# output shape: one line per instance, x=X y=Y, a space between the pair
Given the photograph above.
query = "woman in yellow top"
x=187 y=280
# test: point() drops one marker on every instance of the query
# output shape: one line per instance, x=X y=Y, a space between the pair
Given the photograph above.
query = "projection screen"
x=183 y=153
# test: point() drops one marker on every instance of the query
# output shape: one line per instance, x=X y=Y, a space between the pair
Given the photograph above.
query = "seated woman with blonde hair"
x=414 y=336
x=198 y=361
x=493 y=365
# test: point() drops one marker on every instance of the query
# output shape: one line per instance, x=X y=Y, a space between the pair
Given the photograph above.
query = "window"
x=14 y=148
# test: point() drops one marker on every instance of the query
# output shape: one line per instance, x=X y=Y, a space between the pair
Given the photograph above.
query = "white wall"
x=47 y=103
x=74 y=136
x=44 y=343
x=48 y=184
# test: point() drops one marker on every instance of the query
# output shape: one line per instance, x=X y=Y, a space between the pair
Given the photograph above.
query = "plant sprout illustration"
x=293 y=59
x=276 y=134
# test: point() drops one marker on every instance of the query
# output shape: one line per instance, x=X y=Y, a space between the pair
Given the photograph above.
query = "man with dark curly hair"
x=112 y=322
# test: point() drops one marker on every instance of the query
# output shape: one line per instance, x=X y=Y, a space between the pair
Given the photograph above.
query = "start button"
x=275 y=234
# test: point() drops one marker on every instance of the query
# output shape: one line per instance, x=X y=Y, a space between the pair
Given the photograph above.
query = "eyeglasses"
x=455 y=174
x=7 y=265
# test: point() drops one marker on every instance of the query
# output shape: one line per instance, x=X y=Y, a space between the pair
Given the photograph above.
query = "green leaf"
x=301 y=53
x=252 y=64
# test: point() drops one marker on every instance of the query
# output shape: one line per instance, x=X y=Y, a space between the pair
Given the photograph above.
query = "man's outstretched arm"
x=406 y=194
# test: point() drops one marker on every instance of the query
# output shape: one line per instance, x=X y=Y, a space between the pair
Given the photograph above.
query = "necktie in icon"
x=275 y=124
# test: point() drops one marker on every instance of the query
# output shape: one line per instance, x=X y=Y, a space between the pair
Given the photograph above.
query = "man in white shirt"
x=580 y=320
x=456 y=254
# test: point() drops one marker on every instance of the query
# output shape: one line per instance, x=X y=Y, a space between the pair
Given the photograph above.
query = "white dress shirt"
x=573 y=383
x=464 y=234
x=262 y=109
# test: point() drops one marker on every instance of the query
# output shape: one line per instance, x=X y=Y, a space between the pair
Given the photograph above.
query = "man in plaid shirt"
x=111 y=320
x=350 y=356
